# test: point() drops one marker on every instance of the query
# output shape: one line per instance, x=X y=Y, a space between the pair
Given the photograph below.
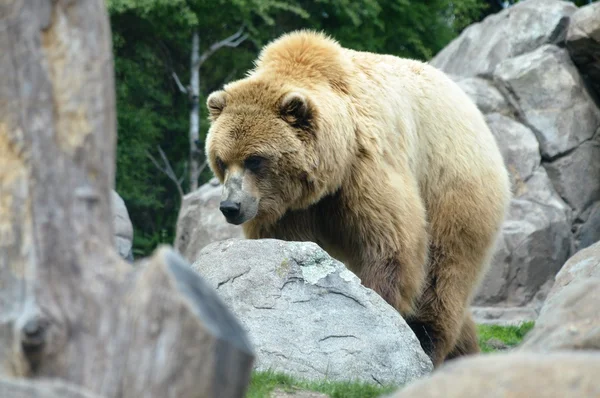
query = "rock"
x=583 y=265
x=487 y=97
x=505 y=316
x=570 y=318
x=519 y=147
x=512 y=374
x=559 y=109
x=535 y=243
x=535 y=239
x=589 y=231
x=308 y=316
x=123 y=228
x=576 y=176
x=583 y=42
x=496 y=344
x=200 y=221
x=514 y=31
x=296 y=393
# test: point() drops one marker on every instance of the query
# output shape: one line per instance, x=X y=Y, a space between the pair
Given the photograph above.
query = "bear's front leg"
x=385 y=227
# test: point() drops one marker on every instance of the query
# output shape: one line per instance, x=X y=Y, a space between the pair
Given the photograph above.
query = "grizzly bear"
x=382 y=161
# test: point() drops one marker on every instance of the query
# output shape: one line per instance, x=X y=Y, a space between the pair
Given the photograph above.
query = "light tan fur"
x=384 y=162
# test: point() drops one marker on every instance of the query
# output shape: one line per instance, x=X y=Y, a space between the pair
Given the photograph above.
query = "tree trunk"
x=194 y=113
x=70 y=307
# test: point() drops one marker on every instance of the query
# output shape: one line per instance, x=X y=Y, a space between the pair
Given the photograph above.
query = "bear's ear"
x=216 y=103
x=295 y=109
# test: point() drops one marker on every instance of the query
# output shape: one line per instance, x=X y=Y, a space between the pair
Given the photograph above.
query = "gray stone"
x=550 y=95
x=512 y=374
x=583 y=265
x=535 y=240
x=487 y=97
x=583 y=42
x=308 y=316
x=514 y=31
x=589 y=231
x=504 y=316
x=123 y=228
x=570 y=318
x=200 y=221
x=576 y=176
x=535 y=243
x=519 y=147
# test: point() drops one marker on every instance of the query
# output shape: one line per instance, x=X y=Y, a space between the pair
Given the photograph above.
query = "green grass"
x=509 y=335
x=263 y=383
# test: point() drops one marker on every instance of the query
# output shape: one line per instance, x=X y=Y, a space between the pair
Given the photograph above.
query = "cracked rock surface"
x=308 y=316
x=528 y=69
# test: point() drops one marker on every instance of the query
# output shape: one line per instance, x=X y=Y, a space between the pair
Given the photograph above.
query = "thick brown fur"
x=382 y=161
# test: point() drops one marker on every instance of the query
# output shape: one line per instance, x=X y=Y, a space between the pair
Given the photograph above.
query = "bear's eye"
x=220 y=164
x=254 y=163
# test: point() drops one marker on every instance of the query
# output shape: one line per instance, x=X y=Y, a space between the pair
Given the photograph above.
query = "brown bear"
x=382 y=161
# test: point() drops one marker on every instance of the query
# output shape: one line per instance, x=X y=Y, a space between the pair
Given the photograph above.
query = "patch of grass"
x=509 y=335
x=263 y=383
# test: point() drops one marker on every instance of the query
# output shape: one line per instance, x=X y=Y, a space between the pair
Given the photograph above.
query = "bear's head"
x=282 y=138
x=262 y=147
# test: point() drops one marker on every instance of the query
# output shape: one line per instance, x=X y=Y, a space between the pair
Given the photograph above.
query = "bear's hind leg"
x=433 y=336
x=468 y=342
x=459 y=255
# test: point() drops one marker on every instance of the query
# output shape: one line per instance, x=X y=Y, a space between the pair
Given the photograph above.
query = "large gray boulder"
x=513 y=374
x=583 y=42
x=536 y=237
x=518 y=30
x=123 y=228
x=551 y=97
x=575 y=175
x=570 y=317
x=308 y=316
x=200 y=221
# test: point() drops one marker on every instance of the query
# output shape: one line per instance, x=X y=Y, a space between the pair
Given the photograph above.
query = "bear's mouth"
x=237 y=220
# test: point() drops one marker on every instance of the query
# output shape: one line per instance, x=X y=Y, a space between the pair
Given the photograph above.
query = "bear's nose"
x=229 y=209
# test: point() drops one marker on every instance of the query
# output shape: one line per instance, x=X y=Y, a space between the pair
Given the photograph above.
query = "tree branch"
x=201 y=169
x=232 y=41
x=181 y=87
x=167 y=169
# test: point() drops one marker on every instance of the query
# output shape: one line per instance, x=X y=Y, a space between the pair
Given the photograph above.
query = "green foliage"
x=152 y=39
x=509 y=335
x=263 y=383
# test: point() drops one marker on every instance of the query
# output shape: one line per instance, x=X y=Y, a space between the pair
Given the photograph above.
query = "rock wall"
x=531 y=70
